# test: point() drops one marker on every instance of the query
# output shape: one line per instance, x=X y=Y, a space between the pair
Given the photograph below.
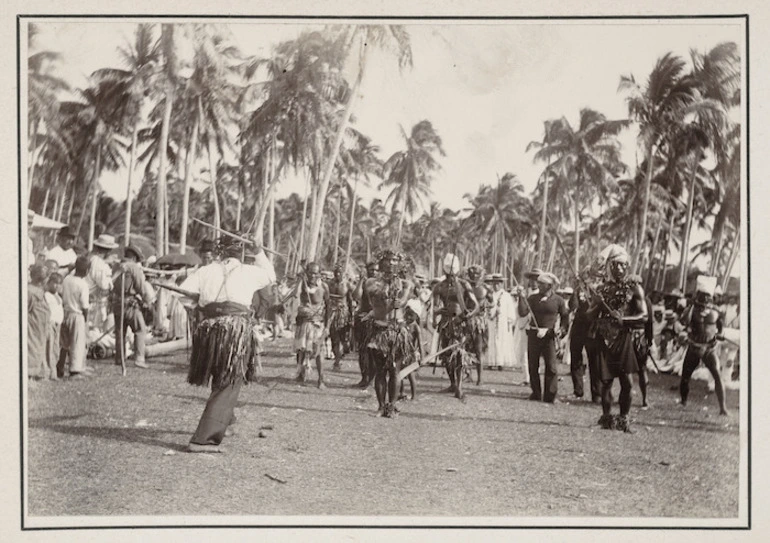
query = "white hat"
x=105 y=241
x=451 y=264
x=706 y=284
x=614 y=253
x=548 y=277
x=415 y=305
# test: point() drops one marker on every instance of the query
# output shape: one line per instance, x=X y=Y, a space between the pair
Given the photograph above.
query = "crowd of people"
x=395 y=319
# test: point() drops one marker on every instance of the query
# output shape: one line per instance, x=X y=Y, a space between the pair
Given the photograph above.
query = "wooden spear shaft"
x=239 y=238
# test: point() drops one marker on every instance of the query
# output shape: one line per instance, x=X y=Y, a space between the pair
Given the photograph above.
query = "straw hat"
x=105 y=241
x=548 y=277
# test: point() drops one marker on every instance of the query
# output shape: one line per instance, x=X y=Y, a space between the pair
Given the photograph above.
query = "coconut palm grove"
x=625 y=239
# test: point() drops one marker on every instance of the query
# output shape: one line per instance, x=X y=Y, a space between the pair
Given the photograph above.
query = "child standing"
x=56 y=311
x=74 y=330
x=37 y=323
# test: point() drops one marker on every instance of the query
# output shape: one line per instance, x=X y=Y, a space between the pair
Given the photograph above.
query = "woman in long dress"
x=502 y=316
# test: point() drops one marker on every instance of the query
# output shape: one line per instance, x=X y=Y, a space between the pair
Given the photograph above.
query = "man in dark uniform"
x=621 y=314
x=362 y=327
x=547 y=307
x=704 y=328
x=580 y=338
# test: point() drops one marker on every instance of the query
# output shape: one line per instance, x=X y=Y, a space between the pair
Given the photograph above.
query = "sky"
x=487 y=88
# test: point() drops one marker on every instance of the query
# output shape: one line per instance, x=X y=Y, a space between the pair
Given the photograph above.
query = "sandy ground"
x=113 y=445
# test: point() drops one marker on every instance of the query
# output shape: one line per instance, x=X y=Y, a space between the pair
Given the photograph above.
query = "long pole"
x=240 y=238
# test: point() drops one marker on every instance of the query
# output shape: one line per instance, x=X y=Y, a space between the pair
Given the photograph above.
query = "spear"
x=414 y=365
x=189 y=294
x=239 y=238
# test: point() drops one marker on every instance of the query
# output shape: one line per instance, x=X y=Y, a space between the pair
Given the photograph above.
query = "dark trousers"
x=545 y=347
x=577 y=342
x=217 y=415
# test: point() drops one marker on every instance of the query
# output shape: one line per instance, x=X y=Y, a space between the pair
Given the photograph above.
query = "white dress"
x=501 y=322
x=520 y=343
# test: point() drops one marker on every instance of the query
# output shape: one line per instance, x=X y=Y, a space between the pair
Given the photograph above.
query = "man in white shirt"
x=100 y=280
x=62 y=253
x=225 y=345
x=75 y=301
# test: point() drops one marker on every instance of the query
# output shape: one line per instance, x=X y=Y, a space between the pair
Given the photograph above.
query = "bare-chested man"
x=340 y=310
x=455 y=304
x=312 y=322
x=478 y=324
x=621 y=313
x=362 y=327
x=704 y=327
x=388 y=342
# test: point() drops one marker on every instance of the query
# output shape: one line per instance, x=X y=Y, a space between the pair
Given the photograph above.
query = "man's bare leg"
x=712 y=364
x=319 y=366
x=301 y=366
x=643 y=381
x=380 y=386
x=479 y=343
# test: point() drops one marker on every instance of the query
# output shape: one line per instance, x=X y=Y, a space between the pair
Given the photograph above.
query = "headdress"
x=451 y=264
x=706 y=284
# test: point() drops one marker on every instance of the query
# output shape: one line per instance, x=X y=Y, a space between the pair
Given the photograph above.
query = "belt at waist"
x=218 y=309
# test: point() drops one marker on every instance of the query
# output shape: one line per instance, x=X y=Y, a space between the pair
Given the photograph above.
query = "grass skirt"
x=225 y=350
x=309 y=337
x=456 y=331
x=391 y=340
x=477 y=328
x=619 y=355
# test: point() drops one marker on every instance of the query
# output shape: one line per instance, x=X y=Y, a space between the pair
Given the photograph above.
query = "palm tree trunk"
x=541 y=239
x=645 y=204
x=315 y=229
x=731 y=261
x=577 y=237
x=400 y=225
x=263 y=206
x=162 y=147
x=352 y=219
x=45 y=201
x=32 y=159
x=302 y=224
x=653 y=248
x=666 y=248
x=685 y=252
x=432 y=267
x=166 y=237
x=55 y=213
x=188 y=181
x=213 y=180
x=338 y=222
x=131 y=159
x=552 y=255
x=69 y=208
x=271 y=221
x=238 y=205
x=368 y=249
x=95 y=196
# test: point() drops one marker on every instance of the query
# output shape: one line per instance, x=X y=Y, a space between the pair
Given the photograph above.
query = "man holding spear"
x=128 y=297
x=621 y=312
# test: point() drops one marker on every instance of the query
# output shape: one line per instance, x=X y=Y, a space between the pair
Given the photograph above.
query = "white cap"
x=706 y=284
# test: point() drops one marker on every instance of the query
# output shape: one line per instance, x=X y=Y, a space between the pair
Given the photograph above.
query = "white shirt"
x=74 y=294
x=100 y=277
x=55 y=307
x=65 y=258
x=242 y=280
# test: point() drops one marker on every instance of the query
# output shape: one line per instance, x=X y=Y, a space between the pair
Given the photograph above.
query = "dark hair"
x=54 y=278
x=82 y=266
x=37 y=273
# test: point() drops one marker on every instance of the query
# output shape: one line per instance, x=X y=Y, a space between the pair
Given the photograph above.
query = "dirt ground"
x=113 y=445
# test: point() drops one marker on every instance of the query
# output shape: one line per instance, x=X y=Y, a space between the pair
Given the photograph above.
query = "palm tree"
x=498 y=212
x=43 y=90
x=360 y=39
x=656 y=108
x=411 y=171
x=587 y=160
x=99 y=146
x=360 y=162
x=140 y=59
